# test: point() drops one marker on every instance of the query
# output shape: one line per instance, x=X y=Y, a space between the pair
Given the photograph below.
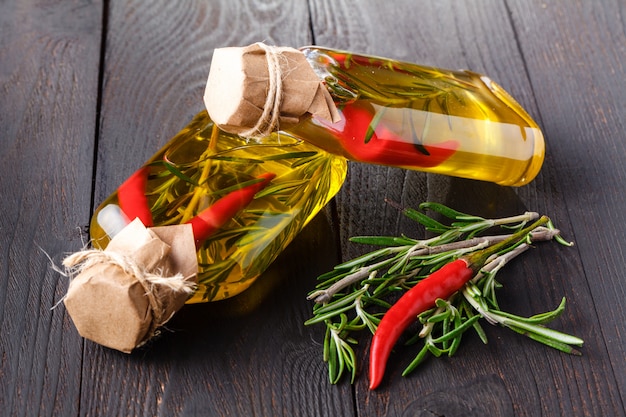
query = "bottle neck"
x=325 y=67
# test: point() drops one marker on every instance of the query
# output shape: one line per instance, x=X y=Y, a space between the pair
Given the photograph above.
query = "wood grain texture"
x=48 y=85
x=577 y=69
x=565 y=61
x=245 y=362
x=158 y=55
x=488 y=39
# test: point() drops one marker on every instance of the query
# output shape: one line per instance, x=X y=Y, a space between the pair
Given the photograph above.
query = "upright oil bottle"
x=201 y=169
x=394 y=113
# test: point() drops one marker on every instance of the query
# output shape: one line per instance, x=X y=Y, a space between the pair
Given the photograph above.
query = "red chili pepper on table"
x=212 y=218
x=440 y=284
x=369 y=141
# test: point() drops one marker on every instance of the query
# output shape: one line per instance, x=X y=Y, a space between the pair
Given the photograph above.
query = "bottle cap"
x=254 y=90
x=120 y=296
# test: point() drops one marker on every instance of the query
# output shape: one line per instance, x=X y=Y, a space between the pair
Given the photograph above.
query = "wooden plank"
x=577 y=70
x=525 y=378
x=247 y=356
x=251 y=355
x=49 y=57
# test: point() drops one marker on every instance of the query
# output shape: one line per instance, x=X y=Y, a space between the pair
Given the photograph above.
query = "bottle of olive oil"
x=456 y=123
x=246 y=199
x=448 y=122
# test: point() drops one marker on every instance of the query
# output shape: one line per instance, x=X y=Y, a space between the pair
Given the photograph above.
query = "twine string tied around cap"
x=268 y=122
x=85 y=259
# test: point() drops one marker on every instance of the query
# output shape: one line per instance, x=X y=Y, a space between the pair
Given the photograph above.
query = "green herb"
x=206 y=165
x=357 y=293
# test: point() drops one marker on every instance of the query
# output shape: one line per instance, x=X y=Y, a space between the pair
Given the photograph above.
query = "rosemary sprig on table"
x=355 y=294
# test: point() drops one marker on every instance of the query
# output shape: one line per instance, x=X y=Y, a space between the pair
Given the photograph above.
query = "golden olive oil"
x=194 y=170
x=455 y=123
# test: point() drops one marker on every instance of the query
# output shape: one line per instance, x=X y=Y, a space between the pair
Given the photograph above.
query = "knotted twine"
x=152 y=283
x=119 y=297
x=253 y=91
x=269 y=120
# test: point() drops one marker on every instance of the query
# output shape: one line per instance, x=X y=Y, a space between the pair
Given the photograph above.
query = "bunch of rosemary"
x=356 y=294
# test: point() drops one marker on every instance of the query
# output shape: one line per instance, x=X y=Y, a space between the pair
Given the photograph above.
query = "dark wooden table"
x=90 y=89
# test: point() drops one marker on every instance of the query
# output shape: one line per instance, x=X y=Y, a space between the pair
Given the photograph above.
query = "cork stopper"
x=255 y=90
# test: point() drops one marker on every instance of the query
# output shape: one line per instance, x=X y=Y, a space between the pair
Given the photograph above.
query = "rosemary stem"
x=468 y=294
x=428 y=326
x=477 y=243
x=323 y=296
x=540 y=234
x=470 y=291
x=204 y=175
x=499 y=261
x=526 y=217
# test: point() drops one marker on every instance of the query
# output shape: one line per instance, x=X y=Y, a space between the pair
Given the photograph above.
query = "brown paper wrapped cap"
x=254 y=90
x=119 y=297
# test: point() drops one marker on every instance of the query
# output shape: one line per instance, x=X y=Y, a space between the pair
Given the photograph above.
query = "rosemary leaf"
x=429 y=223
x=365 y=287
x=236 y=159
x=361 y=260
x=383 y=240
x=290 y=155
x=457 y=330
x=371 y=128
x=418 y=360
x=537 y=318
x=449 y=212
x=348 y=299
x=555 y=344
x=542 y=331
x=325 y=316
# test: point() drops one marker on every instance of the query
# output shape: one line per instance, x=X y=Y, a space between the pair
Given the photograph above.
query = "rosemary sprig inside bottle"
x=356 y=294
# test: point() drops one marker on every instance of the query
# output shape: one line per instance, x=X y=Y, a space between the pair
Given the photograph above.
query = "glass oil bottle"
x=202 y=164
x=394 y=113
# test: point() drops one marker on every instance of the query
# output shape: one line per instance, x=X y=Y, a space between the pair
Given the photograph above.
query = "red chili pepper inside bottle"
x=245 y=200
